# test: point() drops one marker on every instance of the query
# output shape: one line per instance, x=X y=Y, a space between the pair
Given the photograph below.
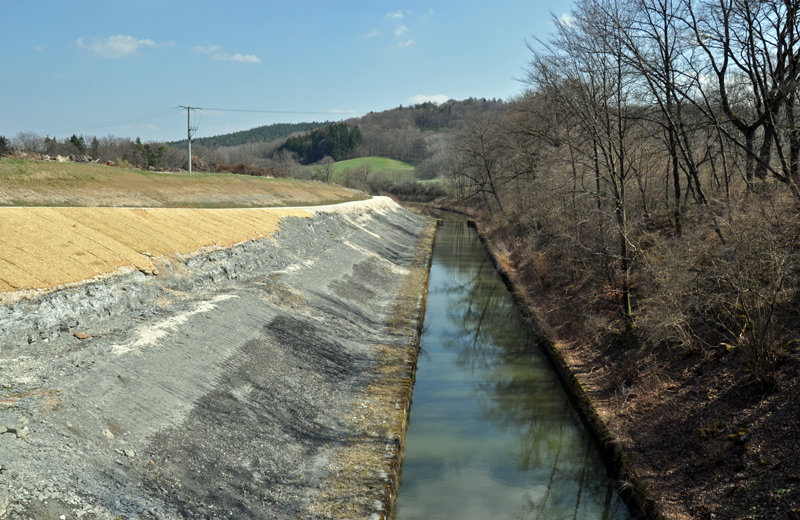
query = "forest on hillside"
x=644 y=189
x=261 y=134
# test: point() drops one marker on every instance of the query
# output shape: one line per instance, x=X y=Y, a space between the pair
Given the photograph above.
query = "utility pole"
x=190 y=131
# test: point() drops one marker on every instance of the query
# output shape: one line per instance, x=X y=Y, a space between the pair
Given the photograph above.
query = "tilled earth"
x=218 y=389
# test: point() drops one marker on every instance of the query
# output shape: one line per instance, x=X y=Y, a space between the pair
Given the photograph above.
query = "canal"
x=492 y=433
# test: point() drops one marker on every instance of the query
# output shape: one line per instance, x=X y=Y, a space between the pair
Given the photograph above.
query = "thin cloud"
x=217 y=55
x=39 y=48
x=406 y=43
x=400 y=31
x=242 y=58
x=422 y=98
x=373 y=33
x=207 y=50
x=395 y=15
x=337 y=111
x=113 y=46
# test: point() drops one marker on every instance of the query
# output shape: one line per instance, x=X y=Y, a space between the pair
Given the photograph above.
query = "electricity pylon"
x=190 y=130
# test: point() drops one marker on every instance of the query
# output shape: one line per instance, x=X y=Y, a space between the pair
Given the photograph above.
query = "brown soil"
x=706 y=438
x=706 y=442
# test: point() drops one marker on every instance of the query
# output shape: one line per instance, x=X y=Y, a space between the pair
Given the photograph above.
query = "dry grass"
x=42 y=248
x=43 y=183
x=45 y=248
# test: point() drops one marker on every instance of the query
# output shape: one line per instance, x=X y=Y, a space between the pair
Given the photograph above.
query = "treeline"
x=261 y=134
x=109 y=149
x=652 y=165
x=336 y=140
x=417 y=134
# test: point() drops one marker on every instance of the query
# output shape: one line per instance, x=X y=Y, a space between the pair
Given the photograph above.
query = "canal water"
x=492 y=434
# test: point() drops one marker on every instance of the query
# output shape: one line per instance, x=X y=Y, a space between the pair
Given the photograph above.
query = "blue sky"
x=120 y=68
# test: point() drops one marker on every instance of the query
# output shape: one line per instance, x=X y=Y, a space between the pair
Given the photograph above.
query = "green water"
x=492 y=433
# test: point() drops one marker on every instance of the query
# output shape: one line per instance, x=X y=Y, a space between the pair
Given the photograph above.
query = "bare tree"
x=362 y=173
x=752 y=52
x=584 y=68
x=29 y=141
x=481 y=159
x=324 y=169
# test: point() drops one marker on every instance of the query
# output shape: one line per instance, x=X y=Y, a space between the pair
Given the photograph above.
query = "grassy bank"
x=46 y=183
x=375 y=165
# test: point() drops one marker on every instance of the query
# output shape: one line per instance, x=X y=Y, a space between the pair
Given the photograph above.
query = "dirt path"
x=221 y=385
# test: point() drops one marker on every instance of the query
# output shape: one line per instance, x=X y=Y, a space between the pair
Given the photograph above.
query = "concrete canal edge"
x=269 y=379
x=382 y=415
x=630 y=486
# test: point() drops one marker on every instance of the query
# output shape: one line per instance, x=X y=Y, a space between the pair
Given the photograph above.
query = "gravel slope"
x=218 y=388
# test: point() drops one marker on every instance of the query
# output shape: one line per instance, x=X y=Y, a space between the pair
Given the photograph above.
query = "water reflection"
x=492 y=434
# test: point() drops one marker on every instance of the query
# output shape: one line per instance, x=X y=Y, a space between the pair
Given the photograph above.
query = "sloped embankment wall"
x=223 y=381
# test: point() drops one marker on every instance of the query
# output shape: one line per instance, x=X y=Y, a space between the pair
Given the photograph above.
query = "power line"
x=328 y=113
x=117 y=122
x=171 y=111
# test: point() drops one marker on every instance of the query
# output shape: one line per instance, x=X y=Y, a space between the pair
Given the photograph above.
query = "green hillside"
x=378 y=164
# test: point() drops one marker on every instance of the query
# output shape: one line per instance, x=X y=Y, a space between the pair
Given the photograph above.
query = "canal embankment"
x=579 y=388
x=492 y=432
x=265 y=378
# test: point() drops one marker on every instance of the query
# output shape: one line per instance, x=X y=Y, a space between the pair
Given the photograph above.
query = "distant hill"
x=261 y=134
x=418 y=134
x=416 y=118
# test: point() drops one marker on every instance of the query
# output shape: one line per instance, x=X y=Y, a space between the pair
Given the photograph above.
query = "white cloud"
x=114 y=46
x=566 y=19
x=207 y=50
x=406 y=43
x=400 y=31
x=242 y=58
x=218 y=55
x=422 y=98
x=39 y=48
x=338 y=111
x=373 y=33
x=395 y=15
